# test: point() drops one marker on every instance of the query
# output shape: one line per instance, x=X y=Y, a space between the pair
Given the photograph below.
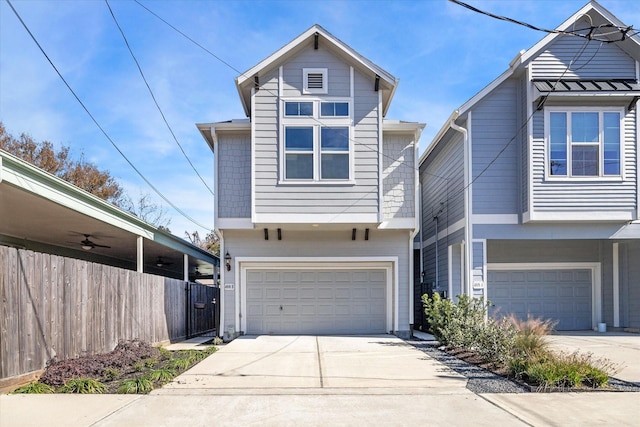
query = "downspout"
x=437 y=287
x=467 y=205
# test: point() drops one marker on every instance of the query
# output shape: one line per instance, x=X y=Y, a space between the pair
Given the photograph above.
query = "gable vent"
x=314 y=81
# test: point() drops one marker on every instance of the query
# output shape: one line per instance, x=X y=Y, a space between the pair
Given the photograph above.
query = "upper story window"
x=315 y=81
x=584 y=142
x=317 y=142
x=334 y=109
x=298 y=108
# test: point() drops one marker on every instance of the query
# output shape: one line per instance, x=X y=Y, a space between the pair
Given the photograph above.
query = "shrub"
x=138 y=385
x=563 y=370
x=496 y=341
x=162 y=375
x=530 y=340
x=83 y=386
x=34 y=388
x=179 y=363
x=455 y=325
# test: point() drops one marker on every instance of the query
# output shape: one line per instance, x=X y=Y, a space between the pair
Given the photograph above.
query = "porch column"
x=140 y=254
x=186 y=267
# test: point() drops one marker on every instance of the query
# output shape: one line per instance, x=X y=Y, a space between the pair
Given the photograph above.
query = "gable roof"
x=245 y=82
x=598 y=15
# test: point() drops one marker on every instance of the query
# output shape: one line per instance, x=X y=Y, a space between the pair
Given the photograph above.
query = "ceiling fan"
x=87 y=244
x=161 y=263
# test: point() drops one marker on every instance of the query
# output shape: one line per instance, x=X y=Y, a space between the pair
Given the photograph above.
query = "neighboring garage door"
x=316 y=301
x=561 y=295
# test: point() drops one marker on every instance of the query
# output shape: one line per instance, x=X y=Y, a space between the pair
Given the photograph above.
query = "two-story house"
x=530 y=189
x=316 y=196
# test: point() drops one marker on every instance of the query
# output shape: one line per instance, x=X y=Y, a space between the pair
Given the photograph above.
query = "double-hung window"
x=317 y=141
x=584 y=142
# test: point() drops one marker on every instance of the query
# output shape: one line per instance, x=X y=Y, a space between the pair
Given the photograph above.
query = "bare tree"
x=210 y=243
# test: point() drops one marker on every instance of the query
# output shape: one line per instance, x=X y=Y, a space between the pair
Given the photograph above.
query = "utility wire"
x=622 y=31
x=155 y=101
x=95 y=121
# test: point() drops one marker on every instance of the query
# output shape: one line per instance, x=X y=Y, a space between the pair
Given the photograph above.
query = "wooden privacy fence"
x=52 y=306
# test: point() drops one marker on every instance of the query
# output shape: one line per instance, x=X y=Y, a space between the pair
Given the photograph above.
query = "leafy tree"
x=210 y=243
x=80 y=173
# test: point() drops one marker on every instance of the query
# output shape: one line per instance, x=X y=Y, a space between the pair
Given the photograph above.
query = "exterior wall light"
x=227 y=260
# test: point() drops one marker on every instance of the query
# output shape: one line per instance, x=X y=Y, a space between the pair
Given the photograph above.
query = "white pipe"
x=467 y=205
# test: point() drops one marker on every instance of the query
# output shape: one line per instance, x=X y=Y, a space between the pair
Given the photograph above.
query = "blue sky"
x=442 y=53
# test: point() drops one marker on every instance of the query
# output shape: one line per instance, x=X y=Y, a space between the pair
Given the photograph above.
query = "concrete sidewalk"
x=318 y=381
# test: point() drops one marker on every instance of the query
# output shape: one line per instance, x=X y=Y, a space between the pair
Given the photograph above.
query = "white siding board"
x=597 y=61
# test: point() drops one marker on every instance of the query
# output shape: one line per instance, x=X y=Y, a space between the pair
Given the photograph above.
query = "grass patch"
x=35 y=388
x=162 y=375
x=83 y=386
x=137 y=385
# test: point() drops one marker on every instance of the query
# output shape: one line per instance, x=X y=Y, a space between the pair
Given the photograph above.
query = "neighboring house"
x=532 y=185
x=316 y=196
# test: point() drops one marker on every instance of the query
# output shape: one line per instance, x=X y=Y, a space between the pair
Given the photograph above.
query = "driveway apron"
x=317 y=364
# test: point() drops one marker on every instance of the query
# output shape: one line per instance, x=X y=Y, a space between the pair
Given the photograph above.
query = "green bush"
x=495 y=341
x=561 y=370
x=531 y=338
x=83 y=386
x=455 y=325
x=162 y=375
x=179 y=363
x=34 y=388
x=138 y=385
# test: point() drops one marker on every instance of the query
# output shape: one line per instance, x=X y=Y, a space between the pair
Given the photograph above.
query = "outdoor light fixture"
x=87 y=247
x=227 y=259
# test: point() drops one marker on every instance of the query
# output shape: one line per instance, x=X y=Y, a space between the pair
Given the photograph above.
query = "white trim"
x=616 y=285
x=351 y=84
x=237 y=223
x=305 y=81
x=253 y=157
x=341 y=217
x=410 y=274
x=569 y=144
x=450 y=272
x=380 y=160
x=280 y=82
x=637 y=144
x=596 y=280
x=389 y=264
x=574 y=216
x=529 y=101
x=223 y=269
x=495 y=219
x=396 y=223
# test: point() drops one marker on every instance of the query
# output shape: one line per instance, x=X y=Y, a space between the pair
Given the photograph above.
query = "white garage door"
x=561 y=295
x=316 y=301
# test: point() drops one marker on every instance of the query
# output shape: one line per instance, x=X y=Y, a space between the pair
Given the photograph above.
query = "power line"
x=591 y=34
x=95 y=121
x=155 y=101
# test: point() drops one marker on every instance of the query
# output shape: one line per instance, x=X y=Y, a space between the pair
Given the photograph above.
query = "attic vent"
x=314 y=80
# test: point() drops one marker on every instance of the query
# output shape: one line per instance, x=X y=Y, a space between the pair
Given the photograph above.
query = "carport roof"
x=42 y=212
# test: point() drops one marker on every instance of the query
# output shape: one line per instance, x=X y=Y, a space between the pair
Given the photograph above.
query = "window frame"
x=305 y=81
x=570 y=144
x=317 y=123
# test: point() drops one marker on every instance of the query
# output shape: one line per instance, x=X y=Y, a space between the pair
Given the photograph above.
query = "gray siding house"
x=530 y=189
x=316 y=196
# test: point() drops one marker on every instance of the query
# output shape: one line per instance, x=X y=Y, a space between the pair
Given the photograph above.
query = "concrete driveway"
x=320 y=381
x=621 y=348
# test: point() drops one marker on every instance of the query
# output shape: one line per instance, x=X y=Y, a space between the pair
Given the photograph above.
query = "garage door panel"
x=562 y=295
x=317 y=302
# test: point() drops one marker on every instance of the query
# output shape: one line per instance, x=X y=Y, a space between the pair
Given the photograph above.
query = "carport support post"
x=140 y=254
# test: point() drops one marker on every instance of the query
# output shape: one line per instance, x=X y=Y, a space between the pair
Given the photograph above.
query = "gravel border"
x=482 y=381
